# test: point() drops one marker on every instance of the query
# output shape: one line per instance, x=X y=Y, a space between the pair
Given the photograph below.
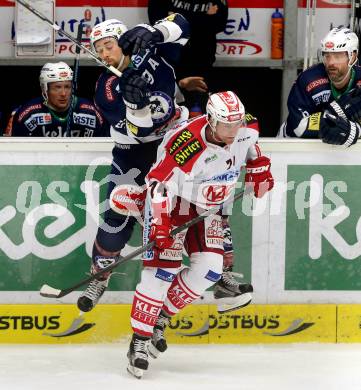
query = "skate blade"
x=225 y=305
x=153 y=351
x=136 y=372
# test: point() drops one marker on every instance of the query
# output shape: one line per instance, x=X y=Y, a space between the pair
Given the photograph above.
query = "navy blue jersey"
x=154 y=66
x=311 y=93
x=35 y=119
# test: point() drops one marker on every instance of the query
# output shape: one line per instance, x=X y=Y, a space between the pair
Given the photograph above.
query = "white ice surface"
x=186 y=367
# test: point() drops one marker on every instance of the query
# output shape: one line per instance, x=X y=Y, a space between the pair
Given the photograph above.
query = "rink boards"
x=196 y=324
x=300 y=247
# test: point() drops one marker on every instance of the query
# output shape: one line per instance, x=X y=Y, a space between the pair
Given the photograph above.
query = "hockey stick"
x=307 y=27
x=75 y=41
x=352 y=15
x=312 y=32
x=74 y=84
x=51 y=292
x=357 y=27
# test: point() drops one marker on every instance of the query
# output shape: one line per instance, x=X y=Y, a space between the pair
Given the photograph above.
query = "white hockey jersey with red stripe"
x=201 y=172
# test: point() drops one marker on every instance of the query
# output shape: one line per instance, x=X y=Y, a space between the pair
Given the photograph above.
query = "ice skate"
x=230 y=293
x=158 y=342
x=90 y=297
x=138 y=356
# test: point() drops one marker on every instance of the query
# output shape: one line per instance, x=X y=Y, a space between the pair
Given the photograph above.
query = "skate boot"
x=138 y=356
x=230 y=293
x=90 y=297
x=158 y=342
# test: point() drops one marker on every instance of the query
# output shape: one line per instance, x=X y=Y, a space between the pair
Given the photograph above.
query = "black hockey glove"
x=338 y=131
x=139 y=38
x=350 y=104
x=135 y=89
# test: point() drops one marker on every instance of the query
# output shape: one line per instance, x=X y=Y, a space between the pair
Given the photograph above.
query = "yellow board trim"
x=349 y=323
x=196 y=324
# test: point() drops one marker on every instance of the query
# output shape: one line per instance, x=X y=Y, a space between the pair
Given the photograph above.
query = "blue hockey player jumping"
x=140 y=107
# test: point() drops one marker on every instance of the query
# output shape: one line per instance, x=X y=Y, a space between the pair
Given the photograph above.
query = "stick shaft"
x=307 y=27
x=149 y=245
x=74 y=84
x=312 y=32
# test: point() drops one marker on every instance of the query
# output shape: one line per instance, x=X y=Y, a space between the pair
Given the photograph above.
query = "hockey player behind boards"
x=47 y=116
x=197 y=168
x=325 y=101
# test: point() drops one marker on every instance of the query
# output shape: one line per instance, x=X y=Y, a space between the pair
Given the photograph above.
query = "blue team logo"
x=213 y=276
x=161 y=106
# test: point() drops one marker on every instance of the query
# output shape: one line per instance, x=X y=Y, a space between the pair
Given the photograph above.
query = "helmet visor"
x=337 y=57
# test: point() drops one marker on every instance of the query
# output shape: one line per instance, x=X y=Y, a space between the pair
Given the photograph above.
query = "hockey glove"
x=227 y=244
x=161 y=226
x=338 y=131
x=139 y=38
x=160 y=234
x=135 y=89
x=350 y=104
x=258 y=174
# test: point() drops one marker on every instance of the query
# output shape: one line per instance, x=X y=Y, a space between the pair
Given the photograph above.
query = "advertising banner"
x=313 y=229
x=247 y=34
x=196 y=324
x=49 y=215
x=328 y=251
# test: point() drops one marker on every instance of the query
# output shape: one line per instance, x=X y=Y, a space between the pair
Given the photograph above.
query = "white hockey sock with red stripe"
x=145 y=311
x=179 y=295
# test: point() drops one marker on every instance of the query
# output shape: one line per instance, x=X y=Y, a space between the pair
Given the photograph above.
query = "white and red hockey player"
x=197 y=167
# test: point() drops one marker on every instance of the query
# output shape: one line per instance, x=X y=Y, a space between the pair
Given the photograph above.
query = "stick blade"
x=50 y=292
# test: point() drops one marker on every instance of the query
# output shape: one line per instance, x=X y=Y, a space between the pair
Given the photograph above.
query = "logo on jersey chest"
x=216 y=193
x=85 y=120
x=316 y=83
x=29 y=109
x=321 y=97
x=37 y=119
x=229 y=176
x=161 y=107
x=181 y=139
x=186 y=153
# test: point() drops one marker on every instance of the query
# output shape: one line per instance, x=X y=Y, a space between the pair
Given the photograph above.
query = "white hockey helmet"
x=52 y=72
x=109 y=28
x=225 y=107
x=340 y=39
